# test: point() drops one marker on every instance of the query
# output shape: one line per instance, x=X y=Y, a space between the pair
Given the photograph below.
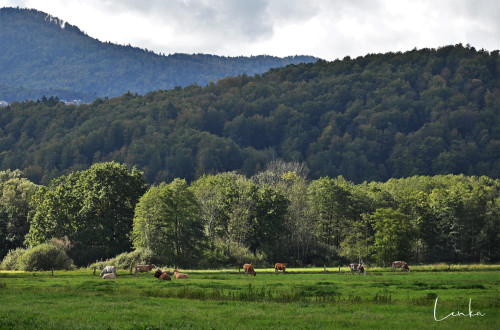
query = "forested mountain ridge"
x=43 y=55
x=394 y=115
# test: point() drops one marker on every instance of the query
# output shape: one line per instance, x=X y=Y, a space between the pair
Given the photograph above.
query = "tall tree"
x=167 y=220
x=15 y=198
x=94 y=209
x=393 y=235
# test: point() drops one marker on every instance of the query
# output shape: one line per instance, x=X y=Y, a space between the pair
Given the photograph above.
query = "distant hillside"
x=42 y=55
x=422 y=112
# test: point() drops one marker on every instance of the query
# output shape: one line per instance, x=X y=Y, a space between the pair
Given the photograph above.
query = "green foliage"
x=127 y=260
x=92 y=208
x=393 y=236
x=167 y=222
x=15 y=197
x=44 y=257
x=422 y=112
x=11 y=260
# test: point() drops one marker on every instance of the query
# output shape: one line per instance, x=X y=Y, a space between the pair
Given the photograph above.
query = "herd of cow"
x=109 y=272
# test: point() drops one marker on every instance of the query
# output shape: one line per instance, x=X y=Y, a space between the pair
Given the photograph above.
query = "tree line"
x=279 y=214
x=423 y=112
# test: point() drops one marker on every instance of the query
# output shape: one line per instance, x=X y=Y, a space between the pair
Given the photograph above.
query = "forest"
x=44 y=55
x=227 y=219
x=423 y=112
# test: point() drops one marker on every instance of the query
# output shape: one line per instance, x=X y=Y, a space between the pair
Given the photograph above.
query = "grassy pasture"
x=303 y=298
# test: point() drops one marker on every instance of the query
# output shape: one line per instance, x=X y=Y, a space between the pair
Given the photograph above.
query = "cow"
x=278 y=267
x=400 y=264
x=108 y=269
x=143 y=268
x=248 y=268
x=161 y=275
x=359 y=267
x=109 y=276
x=180 y=275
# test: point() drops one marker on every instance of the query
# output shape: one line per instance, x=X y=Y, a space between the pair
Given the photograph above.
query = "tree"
x=93 y=208
x=393 y=235
x=215 y=193
x=15 y=197
x=167 y=221
x=332 y=203
x=300 y=220
x=267 y=223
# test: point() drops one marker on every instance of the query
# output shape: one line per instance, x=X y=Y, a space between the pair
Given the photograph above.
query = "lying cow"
x=248 y=268
x=108 y=270
x=143 y=268
x=109 y=276
x=400 y=264
x=359 y=267
x=161 y=275
x=278 y=267
x=180 y=275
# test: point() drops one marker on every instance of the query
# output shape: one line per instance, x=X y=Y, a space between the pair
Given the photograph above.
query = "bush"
x=240 y=254
x=127 y=260
x=10 y=261
x=44 y=257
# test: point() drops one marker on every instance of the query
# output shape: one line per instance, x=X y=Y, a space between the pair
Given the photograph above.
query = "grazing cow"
x=180 y=275
x=143 y=268
x=108 y=269
x=359 y=267
x=278 y=267
x=161 y=275
x=400 y=264
x=248 y=268
x=109 y=276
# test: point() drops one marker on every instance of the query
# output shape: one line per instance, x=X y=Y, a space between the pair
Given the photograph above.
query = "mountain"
x=376 y=117
x=43 y=55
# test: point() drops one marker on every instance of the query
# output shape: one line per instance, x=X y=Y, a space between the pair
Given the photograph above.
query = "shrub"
x=240 y=254
x=61 y=243
x=44 y=257
x=10 y=261
x=127 y=260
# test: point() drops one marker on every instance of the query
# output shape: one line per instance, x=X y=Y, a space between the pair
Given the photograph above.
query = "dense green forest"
x=43 y=55
x=394 y=115
x=227 y=219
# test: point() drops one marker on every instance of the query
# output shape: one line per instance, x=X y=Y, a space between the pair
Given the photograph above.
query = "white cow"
x=108 y=270
x=359 y=267
x=109 y=276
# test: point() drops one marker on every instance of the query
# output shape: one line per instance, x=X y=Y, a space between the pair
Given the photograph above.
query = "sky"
x=328 y=29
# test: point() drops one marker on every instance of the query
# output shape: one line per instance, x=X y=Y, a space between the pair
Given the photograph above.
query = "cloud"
x=325 y=28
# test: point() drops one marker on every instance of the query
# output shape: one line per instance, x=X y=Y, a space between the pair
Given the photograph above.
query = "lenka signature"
x=470 y=314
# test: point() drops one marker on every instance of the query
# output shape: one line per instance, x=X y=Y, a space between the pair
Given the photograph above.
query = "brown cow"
x=400 y=264
x=278 y=267
x=143 y=268
x=180 y=275
x=248 y=268
x=161 y=275
x=359 y=267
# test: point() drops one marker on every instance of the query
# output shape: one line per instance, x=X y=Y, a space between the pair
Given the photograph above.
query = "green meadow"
x=215 y=299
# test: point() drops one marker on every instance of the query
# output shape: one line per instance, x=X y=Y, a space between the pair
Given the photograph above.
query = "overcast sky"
x=328 y=29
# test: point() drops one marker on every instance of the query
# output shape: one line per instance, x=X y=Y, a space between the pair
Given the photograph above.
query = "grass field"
x=215 y=299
